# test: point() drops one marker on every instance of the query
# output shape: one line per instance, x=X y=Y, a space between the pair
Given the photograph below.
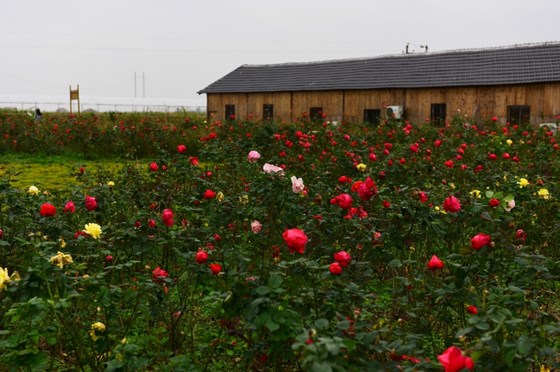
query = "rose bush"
x=407 y=248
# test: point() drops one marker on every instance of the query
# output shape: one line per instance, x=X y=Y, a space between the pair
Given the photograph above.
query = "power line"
x=128 y=49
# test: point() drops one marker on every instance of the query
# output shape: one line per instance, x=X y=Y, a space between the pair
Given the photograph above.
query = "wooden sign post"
x=75 y=96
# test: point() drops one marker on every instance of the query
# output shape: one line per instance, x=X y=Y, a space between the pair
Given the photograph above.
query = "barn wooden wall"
x=478 y=102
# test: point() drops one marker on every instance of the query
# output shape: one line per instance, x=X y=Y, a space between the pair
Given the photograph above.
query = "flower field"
x=267 y=246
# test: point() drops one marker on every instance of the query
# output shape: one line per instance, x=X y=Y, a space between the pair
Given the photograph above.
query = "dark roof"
x=518 y=64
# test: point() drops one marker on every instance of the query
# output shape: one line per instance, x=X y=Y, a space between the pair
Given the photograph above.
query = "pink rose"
x=297 y=185
x=253 y=156
x=256 y=227
x=273 y=169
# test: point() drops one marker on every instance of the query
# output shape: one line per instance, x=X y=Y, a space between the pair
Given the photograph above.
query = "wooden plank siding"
x=480 y=103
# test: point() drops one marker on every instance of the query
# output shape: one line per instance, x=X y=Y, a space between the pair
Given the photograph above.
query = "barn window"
x=372 y=116
x=230 y=112
x=268 y=111
x=438 y=113
x=316 y=113
x=519 y=114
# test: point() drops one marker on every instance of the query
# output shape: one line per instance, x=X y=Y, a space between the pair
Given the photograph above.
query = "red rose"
x=201 y=257
x=295 y=240
x=70 y=207
x=435 y=263
x=335 y=268
x=209 y=194
x=386 y=204
x=91 y=203
x=521 y=235
x=47 y=210
x=472 y=309
x=216 y=268
x=344 y=201
x=480 y=240
x=422 y=197
x=181 y=149
x=193 y=161
x=453 y=360
x=158 y=275
x=449 y=163
x=493 y=203
x=152 y=223
x=167 y=217
x=153 y=166
x=452 y=204
x=365 y=189
x=343 y=258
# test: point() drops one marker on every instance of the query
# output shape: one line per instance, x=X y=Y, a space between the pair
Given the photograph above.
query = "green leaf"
x=524 y=345
x=274 y=281
x=483 y=326
x=321 y=323
x=464 y=332
x=262 y=290
x=272 y=325
x=395 y=264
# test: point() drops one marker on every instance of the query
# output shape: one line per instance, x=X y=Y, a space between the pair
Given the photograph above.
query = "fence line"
x=98 y=107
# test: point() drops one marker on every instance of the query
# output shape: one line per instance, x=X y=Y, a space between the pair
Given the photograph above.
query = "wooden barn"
x=518 y=84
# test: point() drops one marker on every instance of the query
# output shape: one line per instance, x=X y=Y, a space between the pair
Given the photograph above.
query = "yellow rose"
x=361 y=167
x=509 y=142
x=61 y=259
x=220 y=196
x=523 y=182
x=4 y=278
x=475 y=194
x=33 y=190
x=97 y=326
x=543 y=193
x=110 y=184
x=93 y=230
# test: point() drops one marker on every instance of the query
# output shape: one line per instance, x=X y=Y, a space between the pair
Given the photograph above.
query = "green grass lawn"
x=49 y=172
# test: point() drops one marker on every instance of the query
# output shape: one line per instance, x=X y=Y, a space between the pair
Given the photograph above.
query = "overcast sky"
x=183 y=46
